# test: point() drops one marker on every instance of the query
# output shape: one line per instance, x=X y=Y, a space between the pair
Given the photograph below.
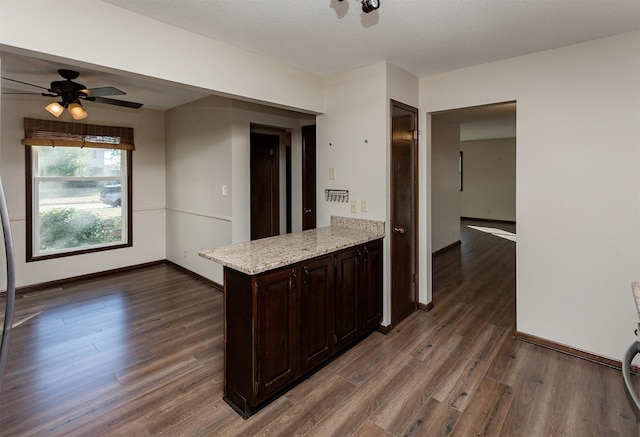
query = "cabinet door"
x=277 y=358
x=348 y=318
x=316 y=302
x=372 y=285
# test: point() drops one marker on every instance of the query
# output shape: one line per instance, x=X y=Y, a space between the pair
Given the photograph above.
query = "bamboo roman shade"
x=63 y=134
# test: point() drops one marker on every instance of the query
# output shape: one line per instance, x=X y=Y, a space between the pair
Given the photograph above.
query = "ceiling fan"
x=70 y=94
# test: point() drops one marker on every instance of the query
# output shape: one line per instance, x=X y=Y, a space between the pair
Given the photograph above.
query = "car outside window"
x=112 y=195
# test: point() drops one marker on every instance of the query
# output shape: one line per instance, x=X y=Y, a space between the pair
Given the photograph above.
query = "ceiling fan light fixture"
x=70 y=93
x=77 y=111
x=370 y=5
x=55 y=109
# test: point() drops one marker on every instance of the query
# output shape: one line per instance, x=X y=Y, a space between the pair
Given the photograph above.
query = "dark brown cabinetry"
x=358 y=292
x=316 y=304
x=276 y=331
x=348 y=319
x=282 y=324
x=372 y=287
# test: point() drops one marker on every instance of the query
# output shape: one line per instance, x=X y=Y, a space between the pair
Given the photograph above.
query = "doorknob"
x=398 y=230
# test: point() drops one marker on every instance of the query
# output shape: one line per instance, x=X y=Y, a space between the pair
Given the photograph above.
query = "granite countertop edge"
x=258 y=256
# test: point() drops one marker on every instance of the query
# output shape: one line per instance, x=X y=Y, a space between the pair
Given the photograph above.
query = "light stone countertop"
x=259 y=256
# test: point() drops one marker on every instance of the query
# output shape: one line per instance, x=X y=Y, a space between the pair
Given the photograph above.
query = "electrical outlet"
x=354 y=206
x=363 y=206
x=332 y=174
x=185 y=253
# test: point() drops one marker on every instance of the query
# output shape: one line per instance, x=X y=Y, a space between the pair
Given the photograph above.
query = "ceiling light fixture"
x=370 y=5
x=55 y=108
x=75 y=109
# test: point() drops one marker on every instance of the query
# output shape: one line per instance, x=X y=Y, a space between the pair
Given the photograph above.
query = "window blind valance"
x=64 y=134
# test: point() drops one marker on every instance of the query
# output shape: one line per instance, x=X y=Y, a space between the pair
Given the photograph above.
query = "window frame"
x=128 y=215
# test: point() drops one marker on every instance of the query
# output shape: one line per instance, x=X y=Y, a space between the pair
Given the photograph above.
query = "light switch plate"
x=332 y=174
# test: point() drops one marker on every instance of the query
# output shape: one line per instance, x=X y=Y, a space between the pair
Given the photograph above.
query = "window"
x=78 y=189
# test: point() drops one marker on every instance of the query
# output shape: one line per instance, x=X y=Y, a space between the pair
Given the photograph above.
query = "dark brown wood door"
x=316 y=302
x=348 y=308
x=265 y=211
x=276 y=331
x=404 y=140
x=372 y=293
x=308 y=177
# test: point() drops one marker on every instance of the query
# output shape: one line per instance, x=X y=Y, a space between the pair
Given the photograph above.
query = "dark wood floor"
x=140 y=353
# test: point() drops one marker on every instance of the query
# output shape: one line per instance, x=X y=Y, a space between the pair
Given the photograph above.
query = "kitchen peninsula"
x=293 y=302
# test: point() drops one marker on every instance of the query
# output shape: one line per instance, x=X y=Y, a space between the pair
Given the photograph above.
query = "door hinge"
x=257 y=385
x=255 y=288
x=271 y=152
x=415 y=134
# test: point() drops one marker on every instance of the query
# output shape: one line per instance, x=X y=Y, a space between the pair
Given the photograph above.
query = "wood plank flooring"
x=140 y=354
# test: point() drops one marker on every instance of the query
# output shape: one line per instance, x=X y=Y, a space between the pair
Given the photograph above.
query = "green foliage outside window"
x=62 y=161
x=63 y=228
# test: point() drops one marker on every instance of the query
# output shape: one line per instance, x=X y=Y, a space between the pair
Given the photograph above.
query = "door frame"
x=265 y=189
x=429 y=182
x=415 y=205
x=309 y=177
x=285 y=172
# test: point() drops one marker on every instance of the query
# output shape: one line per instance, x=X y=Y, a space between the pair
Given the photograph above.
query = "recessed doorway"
x=472 y=176
x=270 y=181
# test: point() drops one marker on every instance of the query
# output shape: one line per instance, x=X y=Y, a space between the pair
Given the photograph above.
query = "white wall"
x=445 y=183
x=402 y=87
x=488 y=129
x=121 y=41
x=208 y=144
x=577 y=184
x=353 y=137
x=148 y=190
x=198 y=165
x=489 y=179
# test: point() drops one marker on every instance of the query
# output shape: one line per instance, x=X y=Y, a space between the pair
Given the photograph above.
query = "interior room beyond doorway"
x=473 y=176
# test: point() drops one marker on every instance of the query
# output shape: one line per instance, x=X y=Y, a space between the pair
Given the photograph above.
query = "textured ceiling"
x=420 y=36
x=327 y=36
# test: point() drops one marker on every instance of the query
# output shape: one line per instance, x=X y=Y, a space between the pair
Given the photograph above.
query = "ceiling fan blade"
x=115 y=102
x=25 y=83
x=25 y=94
x=104 y=91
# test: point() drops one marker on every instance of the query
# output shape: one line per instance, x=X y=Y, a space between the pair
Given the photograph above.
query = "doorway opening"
x=270 y=181
x=477 y=146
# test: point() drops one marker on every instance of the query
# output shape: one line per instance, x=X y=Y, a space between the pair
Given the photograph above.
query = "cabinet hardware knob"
x=293 y=280
x=398 y=230
x=306 y=275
